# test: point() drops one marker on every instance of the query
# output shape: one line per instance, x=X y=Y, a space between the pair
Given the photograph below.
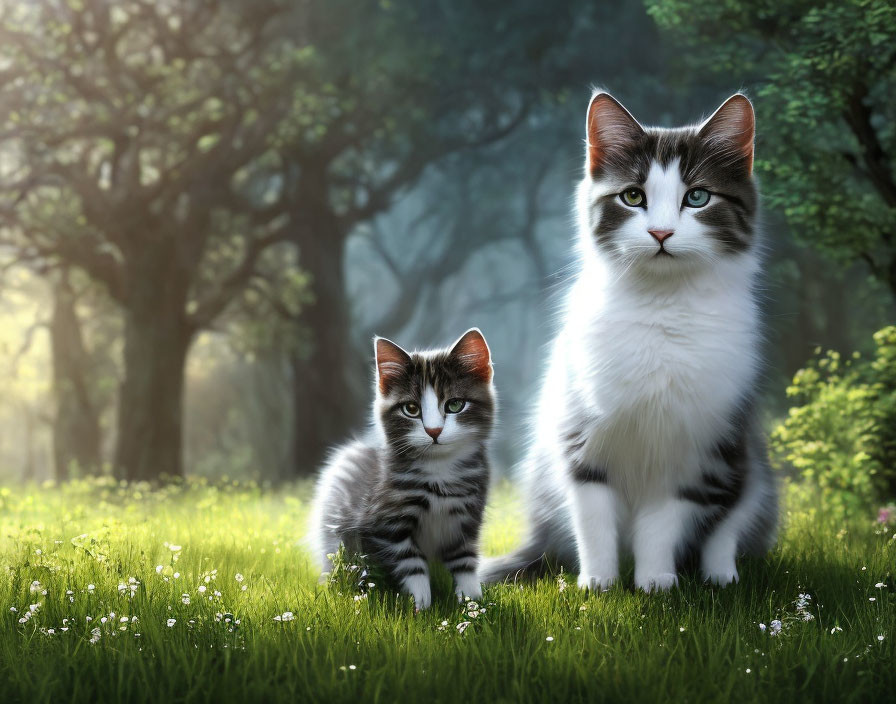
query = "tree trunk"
x=76 y=427
x=325 y=407
x=157 y=338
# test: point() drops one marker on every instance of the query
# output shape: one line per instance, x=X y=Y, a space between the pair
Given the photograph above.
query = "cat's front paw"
x=721 y=577
x=594 y=583
x=661 y=582
x=467 y=584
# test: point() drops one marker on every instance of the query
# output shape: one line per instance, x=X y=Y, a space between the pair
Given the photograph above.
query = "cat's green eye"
x=455 y=405
x=696 y=198
x=633 y=197
x=412 y=410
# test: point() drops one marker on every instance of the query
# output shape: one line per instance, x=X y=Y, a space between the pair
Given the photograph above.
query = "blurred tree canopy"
x=295 y=176
x=825 y=77
x=165 y=148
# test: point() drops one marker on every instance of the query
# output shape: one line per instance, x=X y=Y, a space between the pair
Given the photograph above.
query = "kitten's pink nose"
x=433 y=432
x=661 y=235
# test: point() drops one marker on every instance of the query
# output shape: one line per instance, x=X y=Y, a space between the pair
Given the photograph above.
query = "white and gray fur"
x=415 y=490
x=646 y=437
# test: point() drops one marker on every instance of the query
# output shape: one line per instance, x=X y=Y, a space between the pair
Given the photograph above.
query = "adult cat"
x=646 y=436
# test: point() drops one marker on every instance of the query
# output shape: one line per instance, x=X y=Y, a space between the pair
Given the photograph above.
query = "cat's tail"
x=526 y=562
x=548 y=548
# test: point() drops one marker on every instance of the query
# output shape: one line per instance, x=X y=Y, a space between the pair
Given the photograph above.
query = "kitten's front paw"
x=722 y=577
x=595 y=583
x=661 y=582
x=467 y=584
x=418 y=587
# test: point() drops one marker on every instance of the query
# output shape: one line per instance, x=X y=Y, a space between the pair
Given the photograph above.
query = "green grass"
x=542 y=642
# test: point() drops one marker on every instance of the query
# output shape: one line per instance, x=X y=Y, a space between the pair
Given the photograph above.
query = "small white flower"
x=762 y=627
x=748 y=670
x=775 y=626
x=176 y=575
x=462 y=626
x=171 y=622
x=185 y=598
x=285 y=616
x=871 y=598
x=95 y=635
x=159 y=569
x=880 y=585
x=549 y=639
x=175 y=548
x=836 y=629
x=123 y=619
x=13 y=609
x=202 y=589
x=91 y=587
x=238 y=577
x=881 y=636
x=35 y=587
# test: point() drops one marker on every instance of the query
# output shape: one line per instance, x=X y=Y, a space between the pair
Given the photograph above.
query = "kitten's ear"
x=734 y=125
x=609 y=126
x=391 y=363
x=473 y=353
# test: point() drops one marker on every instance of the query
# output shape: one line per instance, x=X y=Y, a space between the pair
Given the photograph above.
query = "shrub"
x=841 y=436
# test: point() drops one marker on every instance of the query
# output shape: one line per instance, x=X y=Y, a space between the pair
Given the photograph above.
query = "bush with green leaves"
x=841 y=437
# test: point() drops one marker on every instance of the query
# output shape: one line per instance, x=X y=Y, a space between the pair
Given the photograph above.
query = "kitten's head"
x=435 y=404
x=659 y=202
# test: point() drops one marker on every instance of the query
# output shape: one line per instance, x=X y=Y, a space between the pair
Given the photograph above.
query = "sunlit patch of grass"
x=202 y=591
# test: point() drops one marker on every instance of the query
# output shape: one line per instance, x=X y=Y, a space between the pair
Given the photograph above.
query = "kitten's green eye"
x=633 y=197
x=412 y=410
x=696 y=198
x=455 y=405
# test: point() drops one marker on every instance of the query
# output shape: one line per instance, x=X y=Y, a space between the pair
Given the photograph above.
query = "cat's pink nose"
x=433 y=432
x=661 y=235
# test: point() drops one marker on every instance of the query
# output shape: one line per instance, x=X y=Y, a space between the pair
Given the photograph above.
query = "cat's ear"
x=733 y=125
x=473 y=353
x=391 y=363
x=609 y=127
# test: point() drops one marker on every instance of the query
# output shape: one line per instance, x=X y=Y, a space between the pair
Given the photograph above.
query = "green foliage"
x=824 y=76
x=841 y=435
x=198 y=592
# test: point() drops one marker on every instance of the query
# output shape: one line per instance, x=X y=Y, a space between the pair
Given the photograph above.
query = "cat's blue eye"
x=696 y=198
x=455 y=405
x=633 y=197
x=411 y=410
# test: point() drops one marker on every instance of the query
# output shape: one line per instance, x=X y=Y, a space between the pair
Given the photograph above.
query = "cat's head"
x=435 y=404
x=657 y=201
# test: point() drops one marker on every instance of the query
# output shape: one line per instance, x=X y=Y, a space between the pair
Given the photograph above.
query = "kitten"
x=646 y=432
x=415 y=490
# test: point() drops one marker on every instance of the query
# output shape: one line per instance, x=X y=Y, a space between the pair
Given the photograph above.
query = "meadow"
x=201 y=592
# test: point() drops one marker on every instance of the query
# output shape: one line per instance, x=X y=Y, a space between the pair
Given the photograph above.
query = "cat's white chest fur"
x=659 y=371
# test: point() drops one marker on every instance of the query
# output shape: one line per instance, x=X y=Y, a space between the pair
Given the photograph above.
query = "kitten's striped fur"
x=415 y=490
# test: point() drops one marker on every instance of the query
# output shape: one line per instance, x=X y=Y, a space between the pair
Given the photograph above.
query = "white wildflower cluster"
x=35 y=587
x=802 y=604
x=561 y=583
x=773 y=629
x=130 y=588
x=32 y=610
x=285 y=616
